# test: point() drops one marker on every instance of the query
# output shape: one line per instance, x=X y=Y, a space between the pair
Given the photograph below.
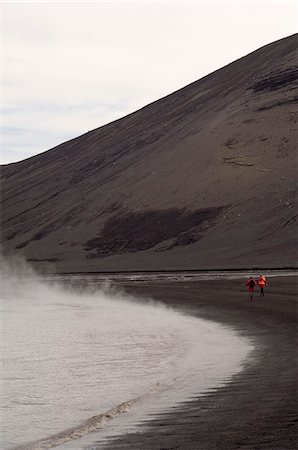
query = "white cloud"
x=69 y=67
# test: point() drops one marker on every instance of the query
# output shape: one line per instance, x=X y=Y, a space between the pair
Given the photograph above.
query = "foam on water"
x=72 y=361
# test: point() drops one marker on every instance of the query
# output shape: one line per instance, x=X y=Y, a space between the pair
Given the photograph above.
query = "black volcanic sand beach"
x=257 y=408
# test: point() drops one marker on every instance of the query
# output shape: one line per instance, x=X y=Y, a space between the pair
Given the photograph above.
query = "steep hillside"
x=203 y=178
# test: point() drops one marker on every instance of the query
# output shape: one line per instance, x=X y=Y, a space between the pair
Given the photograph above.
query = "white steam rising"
x=72 y=357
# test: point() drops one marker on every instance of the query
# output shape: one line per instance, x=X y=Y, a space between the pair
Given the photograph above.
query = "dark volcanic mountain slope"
x=203 y=178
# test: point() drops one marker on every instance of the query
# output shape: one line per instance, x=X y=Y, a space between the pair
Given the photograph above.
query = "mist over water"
x=71 y=355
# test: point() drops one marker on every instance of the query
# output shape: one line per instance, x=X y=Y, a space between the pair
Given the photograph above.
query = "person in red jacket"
x=262 y=282
x=250 y=286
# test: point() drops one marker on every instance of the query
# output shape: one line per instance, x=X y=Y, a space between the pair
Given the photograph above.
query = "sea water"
x=75 y=360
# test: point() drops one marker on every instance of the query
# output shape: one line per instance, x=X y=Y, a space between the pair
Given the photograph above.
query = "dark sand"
x=257 y=408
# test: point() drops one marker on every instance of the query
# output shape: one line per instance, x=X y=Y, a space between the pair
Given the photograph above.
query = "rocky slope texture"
x=203 y=178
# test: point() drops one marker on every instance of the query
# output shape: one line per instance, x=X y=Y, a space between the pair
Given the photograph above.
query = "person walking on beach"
x=250 y=284
x=262 y=283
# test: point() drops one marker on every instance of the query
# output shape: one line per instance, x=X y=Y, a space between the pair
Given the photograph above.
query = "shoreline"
x=256 y=409
x=177 y=272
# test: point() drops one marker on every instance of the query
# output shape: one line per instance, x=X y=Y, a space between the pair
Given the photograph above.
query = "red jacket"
x=262 y=281
x=248 y=284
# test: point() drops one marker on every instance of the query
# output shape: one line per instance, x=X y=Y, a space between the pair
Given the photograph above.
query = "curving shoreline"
x=258 y=408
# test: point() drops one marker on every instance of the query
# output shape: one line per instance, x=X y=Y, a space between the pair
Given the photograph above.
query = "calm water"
x=68 y=357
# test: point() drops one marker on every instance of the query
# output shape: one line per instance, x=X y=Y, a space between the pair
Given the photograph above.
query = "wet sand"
x=257 y=408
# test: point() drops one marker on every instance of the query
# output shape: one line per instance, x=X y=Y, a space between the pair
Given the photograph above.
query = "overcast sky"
x=70 y=67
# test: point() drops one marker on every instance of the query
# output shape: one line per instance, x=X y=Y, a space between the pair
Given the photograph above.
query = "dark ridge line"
x=178 y=271
x=281 y=103
x=17 y=165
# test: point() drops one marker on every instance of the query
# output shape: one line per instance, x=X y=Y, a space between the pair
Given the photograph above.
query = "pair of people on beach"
x=251 y=284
